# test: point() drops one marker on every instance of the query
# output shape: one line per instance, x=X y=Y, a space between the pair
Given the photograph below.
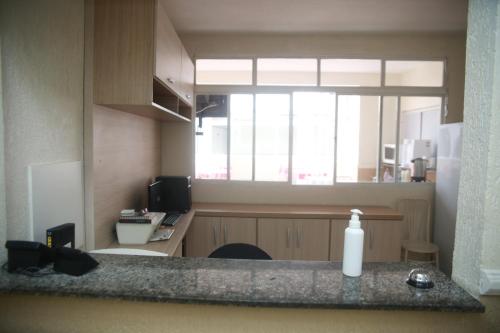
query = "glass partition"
x=357 y=138
x=414 y=73
x=241 y=137
x=224 y=71
x=313 y=138
x=211 y=137
x=351 y=72
x=272 y=117
x=287 y=72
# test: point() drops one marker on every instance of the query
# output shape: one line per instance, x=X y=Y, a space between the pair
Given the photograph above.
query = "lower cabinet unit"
x=382 y=240
x=293 y=239
x=298 y=239
x=203 y=236
x=207 y=233
x=275 y=237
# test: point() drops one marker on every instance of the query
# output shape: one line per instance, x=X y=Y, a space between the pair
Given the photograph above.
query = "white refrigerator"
x=449 y=151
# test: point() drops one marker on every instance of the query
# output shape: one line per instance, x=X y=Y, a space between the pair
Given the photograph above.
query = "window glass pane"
x=350 y=72
x=224 y=71
x=286 y=72
x=211 y=137
x=241 y=106
x=389 y=128
x=414 y=73
x=418 y=133
x=357 y=138
x=271 y=137
x=313 y=138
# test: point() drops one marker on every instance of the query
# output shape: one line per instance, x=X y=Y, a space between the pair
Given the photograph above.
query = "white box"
x=138 y=233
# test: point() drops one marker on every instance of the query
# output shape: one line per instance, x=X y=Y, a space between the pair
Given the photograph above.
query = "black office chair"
x=239 y=251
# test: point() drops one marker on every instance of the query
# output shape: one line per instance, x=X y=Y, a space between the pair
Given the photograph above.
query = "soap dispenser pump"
x=353 y=246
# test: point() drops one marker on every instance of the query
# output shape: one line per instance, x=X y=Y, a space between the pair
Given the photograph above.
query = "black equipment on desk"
x=170 y=194
x=26 y=254
x=61 y=235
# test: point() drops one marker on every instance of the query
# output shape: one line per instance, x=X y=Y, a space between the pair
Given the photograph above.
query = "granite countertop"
x=277 y=283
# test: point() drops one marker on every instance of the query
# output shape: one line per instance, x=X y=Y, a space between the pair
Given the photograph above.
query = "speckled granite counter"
x=249 y=282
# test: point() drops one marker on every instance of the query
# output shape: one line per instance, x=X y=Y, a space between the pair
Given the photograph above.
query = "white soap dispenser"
x=353 y=246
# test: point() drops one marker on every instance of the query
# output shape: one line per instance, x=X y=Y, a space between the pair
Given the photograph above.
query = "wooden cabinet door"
x=311 y=239
x=239 y=230
x=275 y=236
x=383 y=240
x=203 y=236
x=187 y=77
x=337 y=236
x=168 y=49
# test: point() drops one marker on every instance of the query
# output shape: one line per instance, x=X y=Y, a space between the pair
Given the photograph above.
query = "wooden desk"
x=173 y=246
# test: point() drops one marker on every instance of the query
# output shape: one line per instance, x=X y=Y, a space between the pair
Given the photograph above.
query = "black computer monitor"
x=155 y=202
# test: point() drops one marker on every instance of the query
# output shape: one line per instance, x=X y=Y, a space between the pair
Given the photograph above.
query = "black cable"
x=32 y=271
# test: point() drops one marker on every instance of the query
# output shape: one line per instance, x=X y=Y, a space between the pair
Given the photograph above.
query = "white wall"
x=477 y=241
x=42 y=77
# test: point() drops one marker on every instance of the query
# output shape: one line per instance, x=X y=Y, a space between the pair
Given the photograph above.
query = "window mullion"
x=335 y=139
x=396 y=161
x=290 y=138
x=228 y=137
x=380 y=131
x=253 y=136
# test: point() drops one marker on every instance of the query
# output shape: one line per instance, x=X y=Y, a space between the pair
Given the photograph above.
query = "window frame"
x=379 y=91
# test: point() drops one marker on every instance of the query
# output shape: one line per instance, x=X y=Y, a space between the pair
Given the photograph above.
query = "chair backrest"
x=416 y=219
x=239 y=251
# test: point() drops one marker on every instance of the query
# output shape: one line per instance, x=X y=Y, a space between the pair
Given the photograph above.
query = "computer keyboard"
x=171 y=220
x=161 y=234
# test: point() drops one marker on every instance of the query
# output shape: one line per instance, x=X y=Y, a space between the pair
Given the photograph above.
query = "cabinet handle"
x=215 y=235
x=371 y=240
x=188 y=96
x=225 y=233
x=170 y=80
x=288 y=237
x=298 y=236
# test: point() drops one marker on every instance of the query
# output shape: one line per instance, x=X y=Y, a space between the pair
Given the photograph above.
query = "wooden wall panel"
x=126 y=159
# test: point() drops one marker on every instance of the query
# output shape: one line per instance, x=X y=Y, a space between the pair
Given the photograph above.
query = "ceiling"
x=326 y=16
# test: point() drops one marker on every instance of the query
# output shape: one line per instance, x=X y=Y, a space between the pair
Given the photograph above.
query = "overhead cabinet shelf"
x=140 y=65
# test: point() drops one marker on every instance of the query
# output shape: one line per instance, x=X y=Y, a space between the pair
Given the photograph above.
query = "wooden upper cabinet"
x=187 y=77
x=136 y=52
x=123 y=48
x=168 y=53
